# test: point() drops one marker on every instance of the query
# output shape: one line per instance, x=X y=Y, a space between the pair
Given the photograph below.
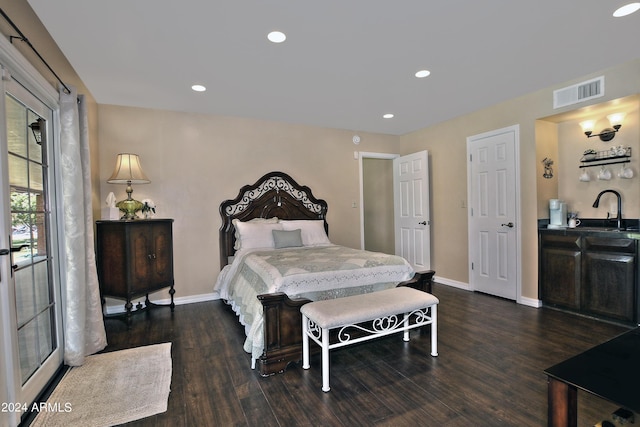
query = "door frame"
x=368 y=155
x=515 y=129
x=15 y=65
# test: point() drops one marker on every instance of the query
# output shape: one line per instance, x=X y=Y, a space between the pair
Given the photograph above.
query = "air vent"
x=578 y=93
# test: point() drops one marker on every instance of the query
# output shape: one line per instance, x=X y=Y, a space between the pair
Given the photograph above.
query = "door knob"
x=509 y=224
x=422 y=223
x=4 y=252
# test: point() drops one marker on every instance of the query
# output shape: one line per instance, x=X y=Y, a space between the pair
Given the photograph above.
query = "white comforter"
x=319 y=272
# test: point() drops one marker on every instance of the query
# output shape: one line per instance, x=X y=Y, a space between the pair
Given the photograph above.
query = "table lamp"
x=128 y=171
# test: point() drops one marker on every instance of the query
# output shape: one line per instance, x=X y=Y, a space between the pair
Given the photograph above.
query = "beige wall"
x=547 y=147
x=571 y=143
x=446 y=143
x=196 y=161
x=26 y=20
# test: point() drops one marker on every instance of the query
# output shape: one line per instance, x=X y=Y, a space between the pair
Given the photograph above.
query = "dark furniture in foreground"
x=276 y=194
x=610 y=370
x=134 y=259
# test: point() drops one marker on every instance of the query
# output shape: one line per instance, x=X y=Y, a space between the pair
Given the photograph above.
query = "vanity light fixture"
x=607 y=134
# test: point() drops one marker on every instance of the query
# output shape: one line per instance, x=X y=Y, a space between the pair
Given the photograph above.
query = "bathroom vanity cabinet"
x=590 y=272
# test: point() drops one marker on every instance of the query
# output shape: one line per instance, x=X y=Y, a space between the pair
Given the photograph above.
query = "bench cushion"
x=360 y=308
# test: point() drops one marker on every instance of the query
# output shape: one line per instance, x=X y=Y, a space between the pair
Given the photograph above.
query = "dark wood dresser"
x=134 y=259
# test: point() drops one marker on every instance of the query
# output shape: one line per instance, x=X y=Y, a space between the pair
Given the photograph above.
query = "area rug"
x=111 y=388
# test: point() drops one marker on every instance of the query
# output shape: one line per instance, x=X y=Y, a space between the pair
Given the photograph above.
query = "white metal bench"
x=391 y=310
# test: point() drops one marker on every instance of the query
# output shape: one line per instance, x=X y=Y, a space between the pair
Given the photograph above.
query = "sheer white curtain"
x=84 y=332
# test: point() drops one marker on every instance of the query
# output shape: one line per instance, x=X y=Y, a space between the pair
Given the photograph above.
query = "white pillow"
x=255 y=234
x=235 y=222
x=312 y=231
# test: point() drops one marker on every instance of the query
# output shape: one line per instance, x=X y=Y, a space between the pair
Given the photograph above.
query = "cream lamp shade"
x=128 y=171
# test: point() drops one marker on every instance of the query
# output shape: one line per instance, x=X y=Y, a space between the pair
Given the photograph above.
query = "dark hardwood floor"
x=489 y=371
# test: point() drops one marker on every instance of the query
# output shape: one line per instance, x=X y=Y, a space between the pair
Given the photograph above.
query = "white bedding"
x=319 y=272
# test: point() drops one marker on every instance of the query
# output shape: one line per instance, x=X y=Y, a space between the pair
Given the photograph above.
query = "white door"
x=493 y=213
x=411 y=209
x=30 y=314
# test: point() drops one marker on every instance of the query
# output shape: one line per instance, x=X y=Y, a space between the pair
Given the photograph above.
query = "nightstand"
x=134 y=258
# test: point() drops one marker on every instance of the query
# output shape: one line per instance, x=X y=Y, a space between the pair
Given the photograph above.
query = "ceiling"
x=344 y=63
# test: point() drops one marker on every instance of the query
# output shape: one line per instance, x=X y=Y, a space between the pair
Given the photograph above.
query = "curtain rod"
x=22 y=37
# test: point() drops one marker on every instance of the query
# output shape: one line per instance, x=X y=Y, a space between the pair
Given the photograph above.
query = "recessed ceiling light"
x=198 y=88
x=276 y=36
x=626 y=10
x=422 y=74
x=387 y=116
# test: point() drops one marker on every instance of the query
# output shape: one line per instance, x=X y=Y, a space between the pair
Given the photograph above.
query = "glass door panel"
x=35 y=305
x=31 y=340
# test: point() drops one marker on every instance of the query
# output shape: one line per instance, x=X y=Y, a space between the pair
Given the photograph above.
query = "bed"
x=267 y=275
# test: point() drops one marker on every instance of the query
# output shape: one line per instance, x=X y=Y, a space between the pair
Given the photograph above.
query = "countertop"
x=597 y=227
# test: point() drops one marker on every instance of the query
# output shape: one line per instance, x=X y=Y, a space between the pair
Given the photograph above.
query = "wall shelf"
x=605 y=157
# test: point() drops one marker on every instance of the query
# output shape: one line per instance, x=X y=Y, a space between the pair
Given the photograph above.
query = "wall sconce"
x=128 y=171
x=607 y=134
x=37 y=128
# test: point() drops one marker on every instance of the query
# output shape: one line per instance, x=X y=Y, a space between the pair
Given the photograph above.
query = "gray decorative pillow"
x=287 y=238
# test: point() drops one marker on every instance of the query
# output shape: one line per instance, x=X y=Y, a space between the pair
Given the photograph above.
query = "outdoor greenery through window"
x=24 y=228
x=30 y=217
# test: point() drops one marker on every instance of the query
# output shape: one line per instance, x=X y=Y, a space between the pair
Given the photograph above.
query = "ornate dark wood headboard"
x=276 y=194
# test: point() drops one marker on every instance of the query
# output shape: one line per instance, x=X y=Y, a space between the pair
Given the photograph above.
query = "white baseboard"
x=452 y=283
x=530 y=302
x=114 y=306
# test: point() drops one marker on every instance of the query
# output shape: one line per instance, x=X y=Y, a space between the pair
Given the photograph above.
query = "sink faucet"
x=597 y=202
